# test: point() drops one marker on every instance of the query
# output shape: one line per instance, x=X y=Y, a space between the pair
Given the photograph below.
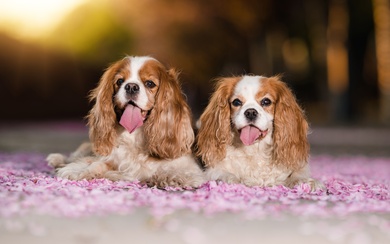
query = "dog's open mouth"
x=133 y=117
x=249 y=134
x=144 y=113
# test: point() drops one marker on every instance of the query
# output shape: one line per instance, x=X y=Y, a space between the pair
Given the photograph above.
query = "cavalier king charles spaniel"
x=253 y=132
x=140 y=129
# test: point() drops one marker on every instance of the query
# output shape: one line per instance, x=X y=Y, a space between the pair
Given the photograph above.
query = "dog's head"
x=252 y=108
x=141 y=93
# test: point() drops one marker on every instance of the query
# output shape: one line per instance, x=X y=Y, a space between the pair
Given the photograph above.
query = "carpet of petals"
x=354 y=185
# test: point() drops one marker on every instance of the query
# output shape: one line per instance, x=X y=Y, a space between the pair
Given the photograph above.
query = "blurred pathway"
x=65 y=136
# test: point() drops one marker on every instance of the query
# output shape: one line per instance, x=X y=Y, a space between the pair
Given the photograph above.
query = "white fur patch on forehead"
x=136 y=64
x=248 y=85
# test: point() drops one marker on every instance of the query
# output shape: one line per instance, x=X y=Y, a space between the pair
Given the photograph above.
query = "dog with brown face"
x=140 y=129
x=253 y=132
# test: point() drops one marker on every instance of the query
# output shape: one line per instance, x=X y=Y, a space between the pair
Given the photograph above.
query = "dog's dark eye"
x=236 y=102
x=120 y=81
x=265 y=102
x=150 y=84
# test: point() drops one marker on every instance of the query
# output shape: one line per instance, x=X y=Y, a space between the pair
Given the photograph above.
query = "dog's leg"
x=58 y=160
x=85 y=168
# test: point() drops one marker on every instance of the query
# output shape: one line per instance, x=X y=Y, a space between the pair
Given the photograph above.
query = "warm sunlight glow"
x=33 y=18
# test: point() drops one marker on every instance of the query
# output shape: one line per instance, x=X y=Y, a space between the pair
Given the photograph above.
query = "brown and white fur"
x=157 y=151
x=275 y=152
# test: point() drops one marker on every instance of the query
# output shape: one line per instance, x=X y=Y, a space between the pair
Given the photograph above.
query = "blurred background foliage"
x=334 y=54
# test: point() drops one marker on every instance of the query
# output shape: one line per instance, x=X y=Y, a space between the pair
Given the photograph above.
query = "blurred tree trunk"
x=337 y=58
x=381 y=10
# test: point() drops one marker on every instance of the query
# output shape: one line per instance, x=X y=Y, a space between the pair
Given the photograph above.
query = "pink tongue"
x=249 y=134
x=131 y=118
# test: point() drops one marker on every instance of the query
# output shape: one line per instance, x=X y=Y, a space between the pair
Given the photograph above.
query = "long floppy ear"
x=291 y=147
x=168 y=129
x=102 y=118
x=215 y=130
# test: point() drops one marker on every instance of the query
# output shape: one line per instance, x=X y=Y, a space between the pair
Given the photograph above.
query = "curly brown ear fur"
x=168 y=129
x=215 y=130
x=291 y=147
x=102 y=118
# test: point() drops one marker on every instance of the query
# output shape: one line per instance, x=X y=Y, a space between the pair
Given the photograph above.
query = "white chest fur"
x=250 y=165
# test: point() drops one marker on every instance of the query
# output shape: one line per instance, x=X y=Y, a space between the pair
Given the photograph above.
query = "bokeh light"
x=34 y=19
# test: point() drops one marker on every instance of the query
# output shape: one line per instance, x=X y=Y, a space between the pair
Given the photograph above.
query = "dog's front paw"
x=314 y=184
x=70 y=175
x=56 y=160
x=76 y=171
x=222 y=175
x=163 y=181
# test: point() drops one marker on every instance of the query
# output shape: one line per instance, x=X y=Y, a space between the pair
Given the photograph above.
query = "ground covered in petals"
x=354 y=185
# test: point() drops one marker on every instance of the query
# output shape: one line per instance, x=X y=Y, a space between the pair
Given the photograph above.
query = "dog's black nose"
x=132 y=88
x=251 y=114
